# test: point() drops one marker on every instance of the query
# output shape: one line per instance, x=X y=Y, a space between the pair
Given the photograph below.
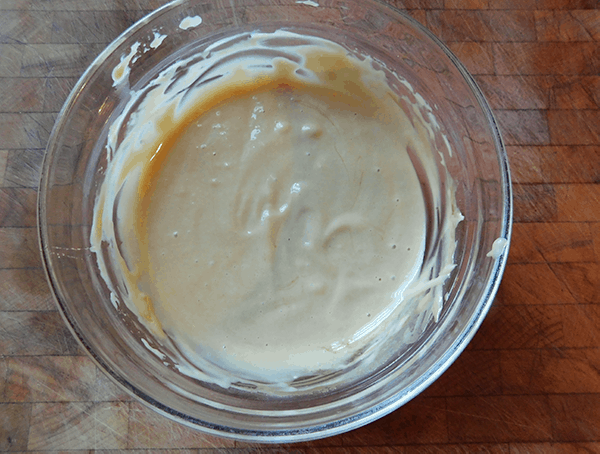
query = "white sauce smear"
x=190 y=22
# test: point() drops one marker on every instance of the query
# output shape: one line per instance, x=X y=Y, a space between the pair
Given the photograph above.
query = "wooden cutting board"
x=530 y=380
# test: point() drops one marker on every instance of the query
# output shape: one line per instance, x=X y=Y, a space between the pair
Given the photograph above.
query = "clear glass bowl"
x=74 y=168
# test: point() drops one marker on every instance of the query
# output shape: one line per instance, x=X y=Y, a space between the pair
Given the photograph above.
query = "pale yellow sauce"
x=274 y=225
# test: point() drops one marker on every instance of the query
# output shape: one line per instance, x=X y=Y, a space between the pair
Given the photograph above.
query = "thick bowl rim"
x=318 y=431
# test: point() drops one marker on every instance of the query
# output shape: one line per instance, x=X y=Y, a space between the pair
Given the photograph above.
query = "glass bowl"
x=75 y=165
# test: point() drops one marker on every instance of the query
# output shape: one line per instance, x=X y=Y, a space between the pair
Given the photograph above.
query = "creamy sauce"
x=497 y=248
x=121 y=72
x=190 y=22
x=157 y=41
x=268 y=219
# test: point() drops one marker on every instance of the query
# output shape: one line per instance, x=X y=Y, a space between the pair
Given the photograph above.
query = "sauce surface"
x=272 y=225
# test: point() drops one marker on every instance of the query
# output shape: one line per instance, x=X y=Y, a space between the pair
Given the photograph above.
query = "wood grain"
x=528 y=383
